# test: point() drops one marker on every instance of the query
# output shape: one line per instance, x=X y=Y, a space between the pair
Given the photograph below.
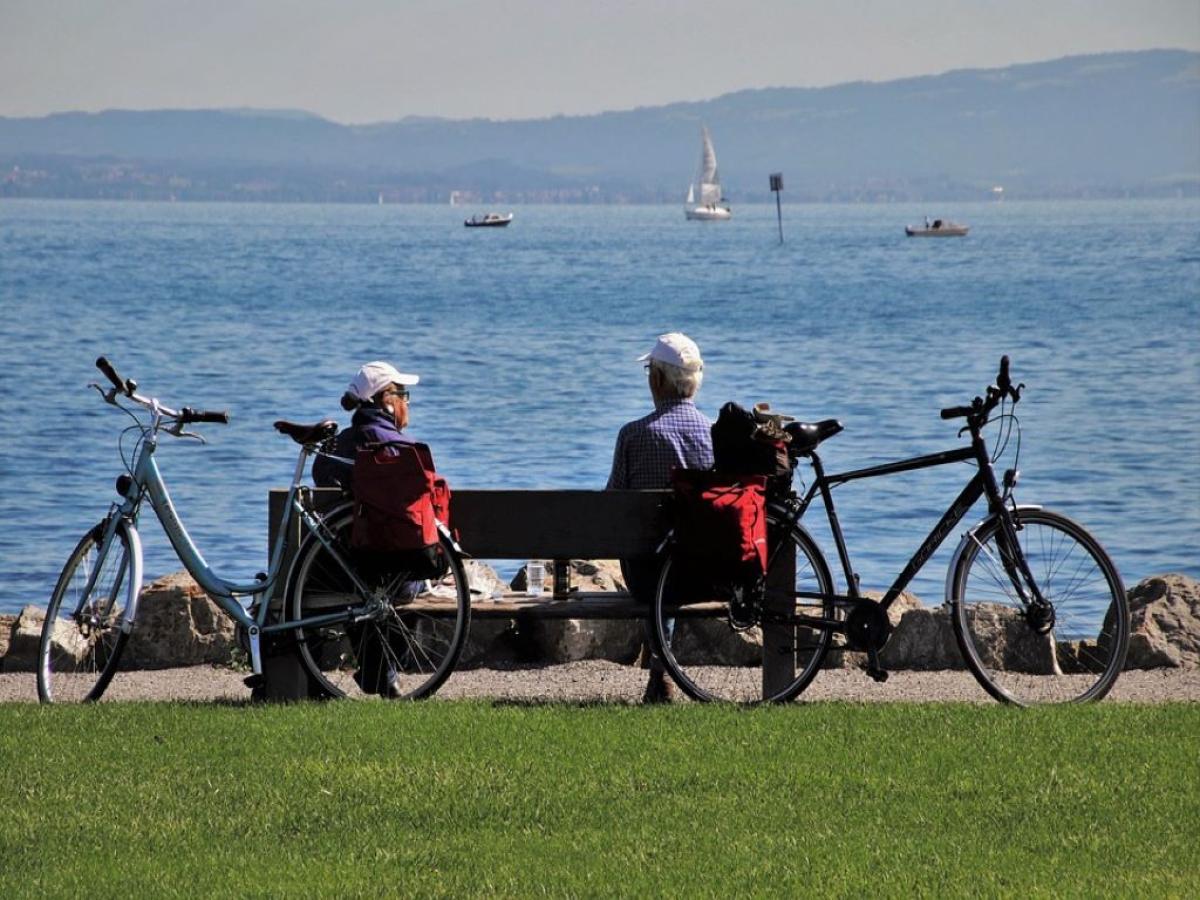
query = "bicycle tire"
x=1072 y=656
x=82 y=636
x=713 y=659
x=411 y=644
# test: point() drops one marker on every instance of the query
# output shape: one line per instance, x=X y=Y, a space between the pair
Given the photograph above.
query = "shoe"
x=659 y=689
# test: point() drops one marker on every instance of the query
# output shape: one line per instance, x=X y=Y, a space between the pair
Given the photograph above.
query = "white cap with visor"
x=375 y=376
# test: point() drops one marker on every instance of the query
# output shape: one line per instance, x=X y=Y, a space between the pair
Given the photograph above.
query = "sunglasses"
x=401 y=393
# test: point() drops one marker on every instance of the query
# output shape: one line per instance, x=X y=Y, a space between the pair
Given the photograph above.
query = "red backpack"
x=398 y=500
x=721 y=523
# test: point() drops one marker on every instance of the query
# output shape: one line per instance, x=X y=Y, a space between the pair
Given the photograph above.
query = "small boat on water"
x=711 y=206
x=937 y=228
x=491 y=220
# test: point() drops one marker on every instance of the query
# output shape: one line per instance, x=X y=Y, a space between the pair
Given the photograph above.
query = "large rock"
x=1164 y=623
x=178 y=625
x=924 y=639
x=570 y=640
x=7 y=623
x=712 y=641
x=1007 y=642
x=24 y=638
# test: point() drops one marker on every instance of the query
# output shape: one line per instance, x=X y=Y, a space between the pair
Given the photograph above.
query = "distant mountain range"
x=1111 y=124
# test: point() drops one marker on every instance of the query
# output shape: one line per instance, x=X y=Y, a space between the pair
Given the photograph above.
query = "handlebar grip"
x=956 y=412
x=111 y=374
x=1002 y=380
x=202 y=415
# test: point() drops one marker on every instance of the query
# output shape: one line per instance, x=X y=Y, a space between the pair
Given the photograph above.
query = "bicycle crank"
x=868 y=628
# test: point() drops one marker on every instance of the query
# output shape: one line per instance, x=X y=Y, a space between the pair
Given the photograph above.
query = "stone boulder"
x=1008 y=643
x=570 y=640
x=24 y=638
x=923 y=640
x=1164 y=623
x=178 y=625
x=7 y=623
x=700 y=641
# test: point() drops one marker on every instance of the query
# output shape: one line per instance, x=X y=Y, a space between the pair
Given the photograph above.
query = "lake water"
x=525 y=339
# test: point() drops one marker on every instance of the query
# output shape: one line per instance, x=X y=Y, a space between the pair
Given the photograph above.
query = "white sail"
x=709 y=180
x=710 y=206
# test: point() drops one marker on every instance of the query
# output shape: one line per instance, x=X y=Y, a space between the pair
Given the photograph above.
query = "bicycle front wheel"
x=1071 y=649
x=386 y=631
x=716 y=652
x=82 y=638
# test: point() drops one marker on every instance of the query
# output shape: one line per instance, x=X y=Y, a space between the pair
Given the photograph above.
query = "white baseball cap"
x=375 y=376
x=676 y=349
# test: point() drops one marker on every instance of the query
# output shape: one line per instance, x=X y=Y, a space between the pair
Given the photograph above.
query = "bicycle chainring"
x=867 y=626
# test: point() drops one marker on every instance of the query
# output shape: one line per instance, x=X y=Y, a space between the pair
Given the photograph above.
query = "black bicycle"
x=1038 y=608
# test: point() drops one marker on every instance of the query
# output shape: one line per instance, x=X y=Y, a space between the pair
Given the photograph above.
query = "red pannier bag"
x=721 y=523
x=398 y=500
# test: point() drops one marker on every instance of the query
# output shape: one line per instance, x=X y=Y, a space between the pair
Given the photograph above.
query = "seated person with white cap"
x=675 y=435
x=378 y=394
x=379 y=397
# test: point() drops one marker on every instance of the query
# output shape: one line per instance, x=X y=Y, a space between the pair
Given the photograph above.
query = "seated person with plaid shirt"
x=675 y=435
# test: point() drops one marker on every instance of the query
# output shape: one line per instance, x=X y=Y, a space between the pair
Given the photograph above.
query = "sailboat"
x=711 y=206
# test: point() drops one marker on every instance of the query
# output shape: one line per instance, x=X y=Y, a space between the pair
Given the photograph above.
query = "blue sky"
x=381 y=60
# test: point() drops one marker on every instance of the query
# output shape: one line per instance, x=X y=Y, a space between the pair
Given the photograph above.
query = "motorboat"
x=490 y=220
x=711 y=206
x=937 y=228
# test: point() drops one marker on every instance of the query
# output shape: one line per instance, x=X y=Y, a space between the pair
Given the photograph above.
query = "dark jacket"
x=369 y=426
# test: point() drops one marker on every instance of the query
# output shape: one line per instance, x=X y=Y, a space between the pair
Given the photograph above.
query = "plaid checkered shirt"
x=675 y=435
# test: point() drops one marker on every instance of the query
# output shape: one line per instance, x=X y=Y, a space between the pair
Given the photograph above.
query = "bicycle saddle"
x=806 y=435
x=308 y=434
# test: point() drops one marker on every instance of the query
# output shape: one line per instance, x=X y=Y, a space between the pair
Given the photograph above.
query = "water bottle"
x=535 y=578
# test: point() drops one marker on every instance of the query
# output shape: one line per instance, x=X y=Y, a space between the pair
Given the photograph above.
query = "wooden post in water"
x=777 y=186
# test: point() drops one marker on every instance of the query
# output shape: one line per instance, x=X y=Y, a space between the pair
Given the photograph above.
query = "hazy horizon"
x=372 y=61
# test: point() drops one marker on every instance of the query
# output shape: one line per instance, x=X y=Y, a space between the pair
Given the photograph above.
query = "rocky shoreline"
x=184 y=648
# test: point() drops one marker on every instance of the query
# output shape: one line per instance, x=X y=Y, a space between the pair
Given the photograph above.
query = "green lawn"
x=448 y=798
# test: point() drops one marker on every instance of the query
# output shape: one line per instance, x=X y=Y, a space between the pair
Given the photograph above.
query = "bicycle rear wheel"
x=82 y=639
x=713 y=656
x=397 y=636
x=1070 y=652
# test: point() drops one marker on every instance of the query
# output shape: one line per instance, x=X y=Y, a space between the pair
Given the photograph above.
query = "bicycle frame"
x=983 y=483
x=148 y=482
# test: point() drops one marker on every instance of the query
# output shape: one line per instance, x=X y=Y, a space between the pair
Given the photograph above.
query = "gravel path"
x=595 y=681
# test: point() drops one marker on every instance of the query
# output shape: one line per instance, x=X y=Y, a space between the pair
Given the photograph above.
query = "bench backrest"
x=549 y=524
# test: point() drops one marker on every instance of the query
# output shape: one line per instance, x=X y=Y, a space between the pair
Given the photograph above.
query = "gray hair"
x=678 y=383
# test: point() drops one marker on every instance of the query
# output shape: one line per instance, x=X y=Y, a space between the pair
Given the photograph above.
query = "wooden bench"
x=524 y=525
x=558 y=525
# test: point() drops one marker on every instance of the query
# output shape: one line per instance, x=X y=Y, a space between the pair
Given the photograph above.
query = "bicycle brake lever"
x=178 y=432
x=109 y=396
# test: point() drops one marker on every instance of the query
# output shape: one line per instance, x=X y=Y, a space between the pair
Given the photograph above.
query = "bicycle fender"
x=445 y=532
x=134 y=589
x=966 y=541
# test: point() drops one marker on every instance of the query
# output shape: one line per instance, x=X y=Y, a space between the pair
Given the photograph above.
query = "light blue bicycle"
x=358 y=630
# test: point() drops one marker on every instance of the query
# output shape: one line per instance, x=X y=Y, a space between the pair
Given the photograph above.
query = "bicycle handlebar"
x=979 y=408
x=128 y=387
x=187 y=415
x=125 y=387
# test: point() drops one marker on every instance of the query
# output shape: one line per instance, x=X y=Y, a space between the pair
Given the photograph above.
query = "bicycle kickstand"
x=875 y=670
